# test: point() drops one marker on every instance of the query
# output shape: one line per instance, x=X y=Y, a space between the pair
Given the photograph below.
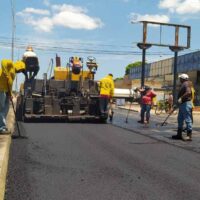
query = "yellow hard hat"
x=19 y=66
x=29 y=48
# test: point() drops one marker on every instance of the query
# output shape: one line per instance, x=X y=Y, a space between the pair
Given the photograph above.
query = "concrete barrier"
x=5 y=141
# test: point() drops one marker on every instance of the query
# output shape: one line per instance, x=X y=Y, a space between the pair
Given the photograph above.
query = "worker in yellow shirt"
x=8 y=71
x=106 y=94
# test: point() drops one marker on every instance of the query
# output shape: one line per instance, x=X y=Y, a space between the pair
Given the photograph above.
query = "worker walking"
x=185 y=108
x=32 y=64
x=8 y=71
x=106 y=94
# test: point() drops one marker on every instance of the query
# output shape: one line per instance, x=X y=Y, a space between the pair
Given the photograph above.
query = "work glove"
x=179 y=100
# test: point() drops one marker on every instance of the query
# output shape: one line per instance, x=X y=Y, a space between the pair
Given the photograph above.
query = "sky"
x=109 y=30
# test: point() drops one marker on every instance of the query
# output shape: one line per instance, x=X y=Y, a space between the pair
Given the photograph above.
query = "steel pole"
x=175 y=77
x=143 y=67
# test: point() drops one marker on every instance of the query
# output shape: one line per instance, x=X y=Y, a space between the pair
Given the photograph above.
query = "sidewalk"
x=5 y=141
x=154 y=129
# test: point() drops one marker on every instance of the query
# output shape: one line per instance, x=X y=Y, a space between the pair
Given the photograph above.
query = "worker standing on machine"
x=106 y=94
x=32 y=65
x=8 y=71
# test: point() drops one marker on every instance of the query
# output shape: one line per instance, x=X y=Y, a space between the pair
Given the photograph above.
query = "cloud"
x=64 y=15
x=169 y=4
x=134 y=17
x=46 y=2
x=74 y=17
x=44 y=24
x=34 y=11
x=181 y=6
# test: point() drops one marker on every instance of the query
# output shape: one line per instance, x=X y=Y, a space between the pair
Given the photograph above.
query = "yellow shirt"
x=107 y=86
x=7 y=75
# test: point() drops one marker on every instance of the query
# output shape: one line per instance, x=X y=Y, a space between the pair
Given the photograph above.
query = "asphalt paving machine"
x=70 y=94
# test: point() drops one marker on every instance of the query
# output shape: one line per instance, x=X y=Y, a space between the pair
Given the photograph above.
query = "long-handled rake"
x=164 y=123
x=20 y=136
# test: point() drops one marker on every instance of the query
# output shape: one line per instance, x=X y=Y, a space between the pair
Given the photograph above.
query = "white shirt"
x=29 y=54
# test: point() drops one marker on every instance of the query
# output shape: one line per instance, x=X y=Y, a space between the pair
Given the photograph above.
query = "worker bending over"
x=8 y=71
x=32 y=64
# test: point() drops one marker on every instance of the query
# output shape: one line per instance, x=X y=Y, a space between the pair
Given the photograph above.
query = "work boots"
x=178 y=136
x=188 y=137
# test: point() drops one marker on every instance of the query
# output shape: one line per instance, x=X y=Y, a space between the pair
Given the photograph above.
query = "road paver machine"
x=70 y=94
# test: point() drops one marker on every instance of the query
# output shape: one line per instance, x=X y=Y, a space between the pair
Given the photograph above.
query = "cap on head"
x=110 y=75
x=146 y=87
x=184 y=76
x=29 y=48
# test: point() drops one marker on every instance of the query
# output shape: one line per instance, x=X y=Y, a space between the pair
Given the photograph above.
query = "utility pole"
x=13 y=29
x=176 y=48
x=143 y=46
x=13 y=36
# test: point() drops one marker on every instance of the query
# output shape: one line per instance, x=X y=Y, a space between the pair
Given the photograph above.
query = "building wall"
x=162 y=72
x=185 y=63
x=125 y=83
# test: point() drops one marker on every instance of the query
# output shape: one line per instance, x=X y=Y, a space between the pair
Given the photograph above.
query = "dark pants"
x=31 y=73
x=145 y=109
x=103 y=101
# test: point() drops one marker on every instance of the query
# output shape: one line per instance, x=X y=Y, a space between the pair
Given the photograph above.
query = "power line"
x=70 y=47
x=78 y=43
x=49 y=48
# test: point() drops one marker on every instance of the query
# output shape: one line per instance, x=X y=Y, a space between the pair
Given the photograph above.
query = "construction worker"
x=147 y=95
x=31 y=61
x=185 y=108
x=106 y=93
x=7 y=75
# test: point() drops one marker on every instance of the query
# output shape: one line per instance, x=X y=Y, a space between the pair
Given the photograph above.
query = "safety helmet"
x=29 y=48
x=184 y=76
x=19 y=66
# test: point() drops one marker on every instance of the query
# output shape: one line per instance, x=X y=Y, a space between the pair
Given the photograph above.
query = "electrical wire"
x=73 y=47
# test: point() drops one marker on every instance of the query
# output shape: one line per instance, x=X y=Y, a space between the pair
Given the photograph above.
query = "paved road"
x=99 y=162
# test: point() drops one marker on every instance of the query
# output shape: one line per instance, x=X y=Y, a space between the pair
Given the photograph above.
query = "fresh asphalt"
x=80 y=161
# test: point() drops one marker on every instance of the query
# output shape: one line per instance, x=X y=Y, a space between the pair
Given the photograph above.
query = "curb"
x=5 y=141
x=4 y=164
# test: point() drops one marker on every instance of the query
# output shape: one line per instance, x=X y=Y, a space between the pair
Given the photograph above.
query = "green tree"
x=132 y=65
x=119 y=78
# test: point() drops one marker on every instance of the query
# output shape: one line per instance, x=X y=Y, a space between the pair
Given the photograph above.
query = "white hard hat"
x=184 y=76
x=29 y=48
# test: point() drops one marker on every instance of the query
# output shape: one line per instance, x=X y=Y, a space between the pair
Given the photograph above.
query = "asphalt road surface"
x=98 y=162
